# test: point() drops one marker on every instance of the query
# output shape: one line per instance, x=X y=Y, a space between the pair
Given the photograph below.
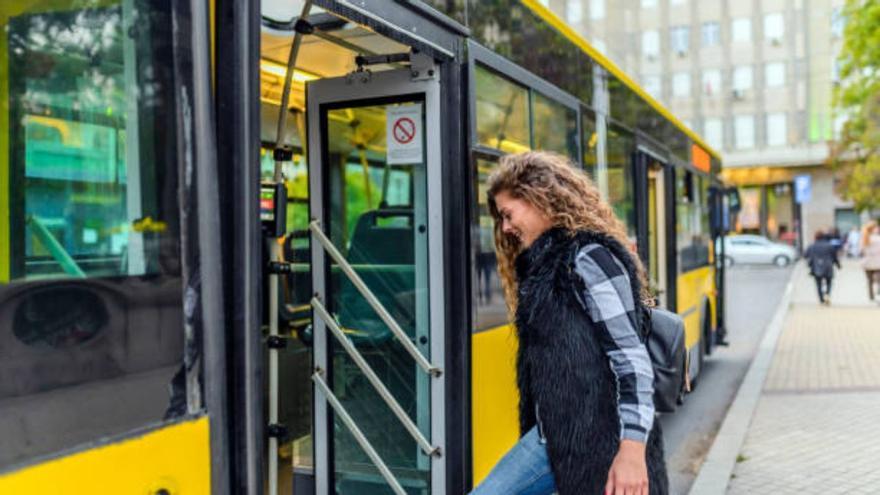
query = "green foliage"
x=856 y=154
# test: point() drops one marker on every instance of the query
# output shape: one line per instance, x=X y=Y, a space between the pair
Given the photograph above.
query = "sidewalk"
x=816 y=427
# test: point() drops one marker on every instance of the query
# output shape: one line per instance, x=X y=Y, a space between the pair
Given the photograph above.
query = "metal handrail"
x=315 y=227
x=389 y=399
x=54 y=247
x=358 y=435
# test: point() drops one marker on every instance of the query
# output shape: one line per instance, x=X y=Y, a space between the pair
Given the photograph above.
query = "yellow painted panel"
x=552 y=19
x=494 y=397
x=691 y=289
x=176 y=458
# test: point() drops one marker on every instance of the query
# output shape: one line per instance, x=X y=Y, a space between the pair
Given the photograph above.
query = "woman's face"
x=521 y=219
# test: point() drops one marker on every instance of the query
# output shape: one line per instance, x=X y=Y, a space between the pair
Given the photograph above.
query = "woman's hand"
x=629 y=470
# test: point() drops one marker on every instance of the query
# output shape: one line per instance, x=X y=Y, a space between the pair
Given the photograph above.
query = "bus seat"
x=382 y=253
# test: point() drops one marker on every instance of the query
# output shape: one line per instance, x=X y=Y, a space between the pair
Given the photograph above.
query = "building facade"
x=754 y=78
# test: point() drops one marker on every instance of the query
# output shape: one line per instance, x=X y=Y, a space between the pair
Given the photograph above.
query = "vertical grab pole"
x=273 y=371
x=274 y=256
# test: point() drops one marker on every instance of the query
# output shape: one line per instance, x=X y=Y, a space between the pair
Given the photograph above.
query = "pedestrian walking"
x=833 y=236
x=822 y=258
x=853 y=243
x=575 y=293
x=871 y=253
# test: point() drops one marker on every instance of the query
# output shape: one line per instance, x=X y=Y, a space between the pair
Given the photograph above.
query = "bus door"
x=657 y=230
x=376 y=254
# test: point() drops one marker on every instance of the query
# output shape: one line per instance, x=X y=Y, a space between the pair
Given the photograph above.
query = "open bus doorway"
x=349 y=407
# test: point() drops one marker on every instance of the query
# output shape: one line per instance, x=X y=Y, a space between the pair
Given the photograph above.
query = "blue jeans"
x=524 y=470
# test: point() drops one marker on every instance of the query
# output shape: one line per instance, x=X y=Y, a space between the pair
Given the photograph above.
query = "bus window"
x=502 y=112
x=90 y=266
x=621 y=192
x=554 y=126
x=692 y=220
x=491 y=309
x=590 y=146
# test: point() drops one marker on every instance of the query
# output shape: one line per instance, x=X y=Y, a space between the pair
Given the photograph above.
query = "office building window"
x=653 y=85
x=742 y=29
x=650 y=44
x=774 y=27
x=681 y=84
x=711 y=82
x=573 y=11
x=599 y=45
x=744 y=132
x=647 y=4
x=774 y=74
x=777 y=131
x=742 y=78
x=597 y=9
x=713 y=132
x=679 y=39
x=711 y=34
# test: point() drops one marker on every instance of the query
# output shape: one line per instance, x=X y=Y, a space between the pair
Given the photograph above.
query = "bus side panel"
x=175 y=458
x=494 y=397
x=694 y=287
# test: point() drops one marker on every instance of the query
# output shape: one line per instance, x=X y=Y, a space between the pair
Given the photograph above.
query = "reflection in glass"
x=378 y=216
x=691 y=220
x=513 y=30
x=590 y=142
x=491 y=309
x=90 y=281
x=621 y=192
x=502 y=112
x=555 y=126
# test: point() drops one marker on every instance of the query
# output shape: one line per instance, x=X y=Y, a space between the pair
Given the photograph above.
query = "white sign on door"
x=403 y=131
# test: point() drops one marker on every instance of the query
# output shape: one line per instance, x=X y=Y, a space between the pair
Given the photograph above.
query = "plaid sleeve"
x=608 y=300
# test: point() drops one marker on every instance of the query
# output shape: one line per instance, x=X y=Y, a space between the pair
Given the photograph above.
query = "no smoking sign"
x=403 y=128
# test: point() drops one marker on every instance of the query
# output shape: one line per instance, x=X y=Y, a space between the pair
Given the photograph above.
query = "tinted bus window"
x=491 y=309
x=621 y=187
x=590 y=142
x=691 y=220
x=90 y=270
x=502 y=112
x=511 y=29
x=554 y=126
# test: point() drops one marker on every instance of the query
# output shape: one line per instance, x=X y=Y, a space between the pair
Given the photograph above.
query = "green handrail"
x=54 y=247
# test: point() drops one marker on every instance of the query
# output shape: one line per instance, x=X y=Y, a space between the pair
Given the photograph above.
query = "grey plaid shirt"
x=608 y=300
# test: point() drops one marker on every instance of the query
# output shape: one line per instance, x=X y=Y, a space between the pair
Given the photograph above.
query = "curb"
x=720 y=462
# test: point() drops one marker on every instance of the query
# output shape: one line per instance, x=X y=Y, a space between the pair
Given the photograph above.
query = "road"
x=753 y=296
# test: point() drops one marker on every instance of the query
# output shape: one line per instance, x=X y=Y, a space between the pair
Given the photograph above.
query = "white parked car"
x=741 y=249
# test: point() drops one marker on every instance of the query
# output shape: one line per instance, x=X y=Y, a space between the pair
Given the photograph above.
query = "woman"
x=822 y=258
x=584 y=376
x=871 y=253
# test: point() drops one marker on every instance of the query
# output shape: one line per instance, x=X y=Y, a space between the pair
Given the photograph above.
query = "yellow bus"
x=244 y=245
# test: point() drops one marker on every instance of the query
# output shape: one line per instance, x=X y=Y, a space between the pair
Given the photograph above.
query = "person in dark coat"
x=822 y=258
x=575 y=292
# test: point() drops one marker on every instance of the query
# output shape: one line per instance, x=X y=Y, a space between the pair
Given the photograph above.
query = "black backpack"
x=664 y=339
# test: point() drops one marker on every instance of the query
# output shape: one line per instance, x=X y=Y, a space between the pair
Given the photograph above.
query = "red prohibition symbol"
x=404 y=130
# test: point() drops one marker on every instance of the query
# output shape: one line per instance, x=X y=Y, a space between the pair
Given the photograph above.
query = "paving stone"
x=815 y=429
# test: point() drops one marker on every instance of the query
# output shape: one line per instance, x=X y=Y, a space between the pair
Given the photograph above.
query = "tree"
x=856 y=153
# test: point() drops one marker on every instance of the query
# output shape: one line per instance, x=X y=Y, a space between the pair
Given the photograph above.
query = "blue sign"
x=803 y=188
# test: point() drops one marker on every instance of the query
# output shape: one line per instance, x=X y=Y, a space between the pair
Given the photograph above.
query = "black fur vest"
x=562 y=368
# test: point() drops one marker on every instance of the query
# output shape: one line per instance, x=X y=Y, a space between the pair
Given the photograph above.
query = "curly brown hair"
x=551 y=183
